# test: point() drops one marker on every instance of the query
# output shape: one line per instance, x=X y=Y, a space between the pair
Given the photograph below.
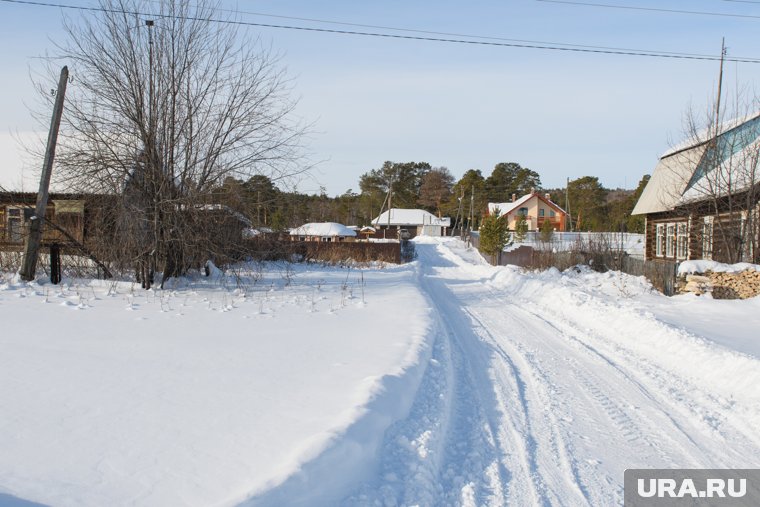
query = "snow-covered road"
x=528 y=402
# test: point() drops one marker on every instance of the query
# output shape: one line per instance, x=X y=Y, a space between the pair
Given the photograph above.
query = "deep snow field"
x=445 y=381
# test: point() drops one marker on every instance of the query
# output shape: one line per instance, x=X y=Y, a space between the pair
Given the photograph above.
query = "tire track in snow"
x=605 y=400
x=651 y=424
x=501 y=394
x=670 y=387
x=593 y=395
x=524 y=406
x=512 y=444
x=552 y=459
x=664 y=389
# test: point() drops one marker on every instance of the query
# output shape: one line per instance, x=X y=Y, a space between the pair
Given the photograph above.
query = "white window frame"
x=682 y=241
x=670 y=240
x=659 y=240
x=707 y=238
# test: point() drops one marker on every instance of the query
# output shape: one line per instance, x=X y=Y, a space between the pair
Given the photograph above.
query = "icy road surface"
x=542 y=393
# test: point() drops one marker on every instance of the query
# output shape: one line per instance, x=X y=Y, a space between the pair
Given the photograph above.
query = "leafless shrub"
x=161 y=113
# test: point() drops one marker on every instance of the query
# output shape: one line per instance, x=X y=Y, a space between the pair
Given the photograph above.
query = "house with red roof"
x=536 y=207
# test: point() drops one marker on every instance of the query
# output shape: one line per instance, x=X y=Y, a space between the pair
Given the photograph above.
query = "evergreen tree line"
x=419 y=185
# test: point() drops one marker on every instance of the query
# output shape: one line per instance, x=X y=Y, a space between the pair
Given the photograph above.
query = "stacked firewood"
x=743 y=285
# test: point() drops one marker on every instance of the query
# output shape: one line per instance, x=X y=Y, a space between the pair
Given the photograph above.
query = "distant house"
x=537 y=208
x=81 y=223
x=323 y=231
x=408 y=223
x=702 y=199
x=67 y=217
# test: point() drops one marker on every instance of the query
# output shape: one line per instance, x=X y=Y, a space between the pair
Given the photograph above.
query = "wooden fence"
x=335 y=252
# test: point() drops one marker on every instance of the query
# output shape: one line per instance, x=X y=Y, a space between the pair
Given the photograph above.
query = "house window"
x=682 y=241
x=670 y=240
x=660 y=240
x=14 y=225
x=541 y=212
x=707 y=238
x=552 y=213
x=523 y=212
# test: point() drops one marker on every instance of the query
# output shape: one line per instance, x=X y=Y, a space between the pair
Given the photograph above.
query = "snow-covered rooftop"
x=704 y=135
x=508 y=207
x=323 y=229
x=697 y=169
x=415 y=217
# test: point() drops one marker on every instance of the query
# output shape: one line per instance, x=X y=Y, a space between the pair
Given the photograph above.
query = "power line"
x=522 y=45
x=651 y=9
x=447 y=34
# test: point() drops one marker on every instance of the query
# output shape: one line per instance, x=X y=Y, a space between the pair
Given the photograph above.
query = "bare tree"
x=721 y=195
x=167 y=100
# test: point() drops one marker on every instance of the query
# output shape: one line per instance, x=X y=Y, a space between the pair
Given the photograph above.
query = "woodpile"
x=723 y=285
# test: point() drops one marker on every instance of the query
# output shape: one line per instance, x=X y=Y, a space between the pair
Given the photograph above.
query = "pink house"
x=537 y=208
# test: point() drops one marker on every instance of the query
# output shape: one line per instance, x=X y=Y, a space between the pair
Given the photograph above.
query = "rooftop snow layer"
x=323 y=229
x=414 y=217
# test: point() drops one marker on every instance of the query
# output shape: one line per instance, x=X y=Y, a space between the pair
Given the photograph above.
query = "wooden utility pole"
x=390 y=203
x=567 y=205
x=35 y=229
x=720 y=86
x=472 y=207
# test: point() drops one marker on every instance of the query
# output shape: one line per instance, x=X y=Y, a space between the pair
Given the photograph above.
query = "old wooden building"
x=702 y=201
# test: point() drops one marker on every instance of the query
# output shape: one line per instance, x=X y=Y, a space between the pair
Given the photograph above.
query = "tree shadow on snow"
x=12 y=501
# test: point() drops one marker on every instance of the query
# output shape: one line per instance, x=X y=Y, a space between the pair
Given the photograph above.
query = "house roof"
x=410 y=217
x=668 y=182
x=687 y=173
x=508 y=207
x=322 y=229
x=704 y=135
x=505 y=208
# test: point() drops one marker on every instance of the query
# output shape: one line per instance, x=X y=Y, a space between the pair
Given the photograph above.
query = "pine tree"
x=521 y=228
x=547 y=231
x=494 y=235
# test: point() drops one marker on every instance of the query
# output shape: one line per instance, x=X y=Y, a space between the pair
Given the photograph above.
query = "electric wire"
x=650 y=9
x=522 y=45
x=448 y=34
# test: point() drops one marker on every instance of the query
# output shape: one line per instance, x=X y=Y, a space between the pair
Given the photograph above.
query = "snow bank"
x=657 y=333
x=205 y=395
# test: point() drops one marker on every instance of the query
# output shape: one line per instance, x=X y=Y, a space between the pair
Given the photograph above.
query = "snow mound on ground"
x=598 y=302
x=274 y=385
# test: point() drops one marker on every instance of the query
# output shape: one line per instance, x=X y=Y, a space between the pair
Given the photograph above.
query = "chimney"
x=532 y=190
x=514 y=197
x=548 y=197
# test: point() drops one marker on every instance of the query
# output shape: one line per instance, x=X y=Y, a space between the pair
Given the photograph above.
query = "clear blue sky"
x=463 y=106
